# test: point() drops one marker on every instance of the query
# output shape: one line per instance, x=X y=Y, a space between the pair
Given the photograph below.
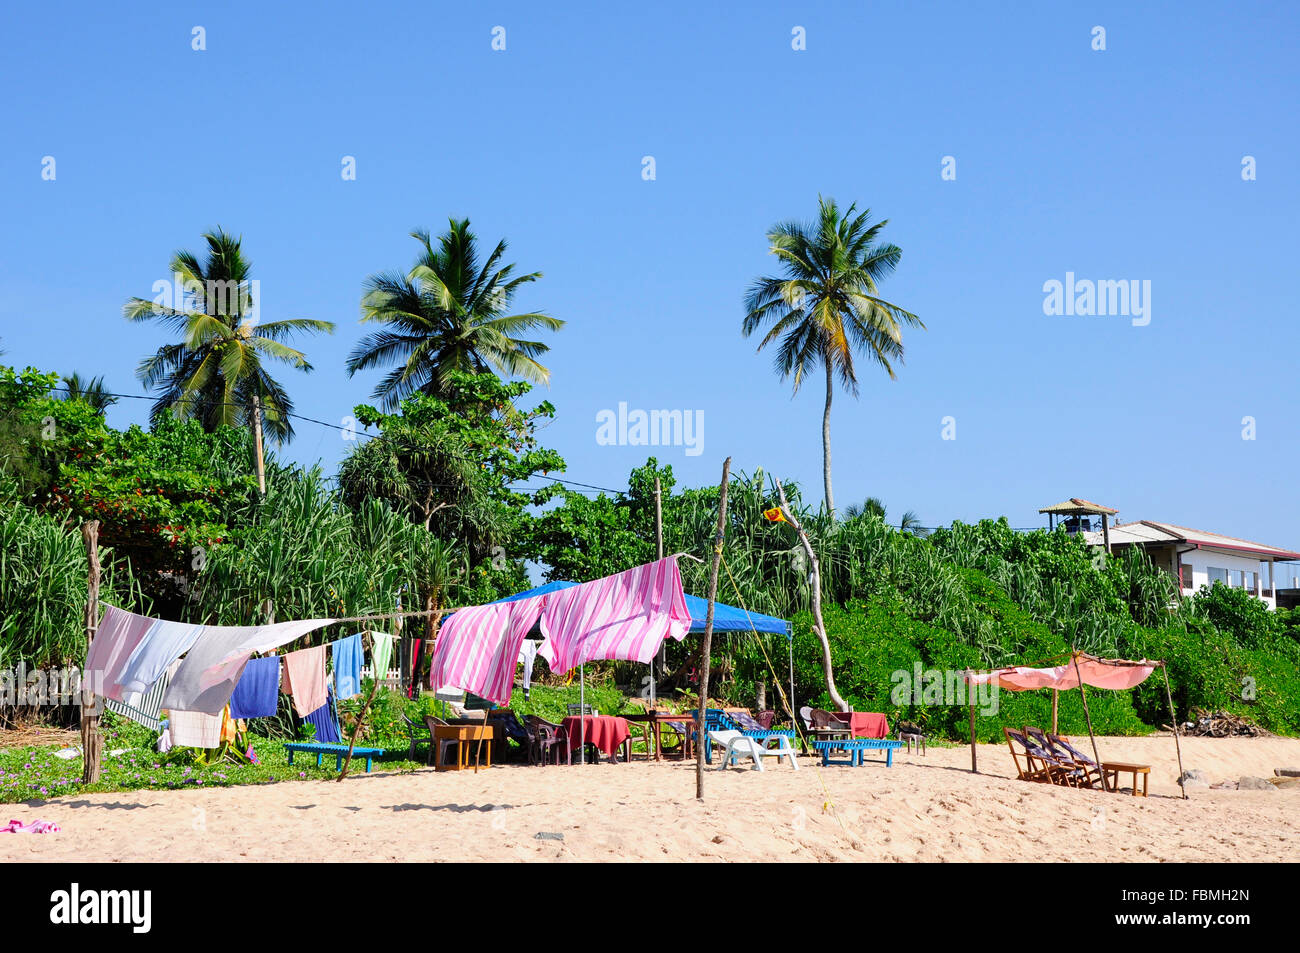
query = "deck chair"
x=1090 y=769
x=1066 y=769
x=737 y=745
x=1034 y=769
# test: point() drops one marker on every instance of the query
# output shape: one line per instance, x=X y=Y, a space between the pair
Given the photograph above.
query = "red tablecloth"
x=865 y=724
x=606 y=732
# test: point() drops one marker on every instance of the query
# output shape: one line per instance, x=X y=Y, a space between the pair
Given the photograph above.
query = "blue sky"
x=1117 y=164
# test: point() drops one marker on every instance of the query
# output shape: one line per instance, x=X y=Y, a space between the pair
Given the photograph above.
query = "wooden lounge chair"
x=1033 y=769
x=1062 y=746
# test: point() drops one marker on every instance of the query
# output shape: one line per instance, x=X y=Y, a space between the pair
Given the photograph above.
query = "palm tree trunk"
x=826 y=440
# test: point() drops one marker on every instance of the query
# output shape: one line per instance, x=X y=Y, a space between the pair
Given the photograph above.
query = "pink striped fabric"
x=625 y=616
x=476 y=649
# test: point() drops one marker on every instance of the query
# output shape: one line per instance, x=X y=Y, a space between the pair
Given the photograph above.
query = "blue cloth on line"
x=347 y=666
x=257 y=694
x=326 y=722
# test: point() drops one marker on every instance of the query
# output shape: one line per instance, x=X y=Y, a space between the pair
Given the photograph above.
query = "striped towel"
x=144 y=709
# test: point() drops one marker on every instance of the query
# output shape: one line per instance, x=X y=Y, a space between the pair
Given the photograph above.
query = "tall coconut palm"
x=216 y=372
x=826 y=308
x=448 y=313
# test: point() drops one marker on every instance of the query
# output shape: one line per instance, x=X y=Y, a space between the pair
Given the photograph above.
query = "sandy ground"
x=924 y=808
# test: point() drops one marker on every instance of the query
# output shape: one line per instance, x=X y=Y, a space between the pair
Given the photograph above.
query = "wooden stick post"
x=1105 y=785
x=1056 y=700
x=701 y=710
x=361 y=717
x=1173 y=723
x=91 y=740
x=970 y=701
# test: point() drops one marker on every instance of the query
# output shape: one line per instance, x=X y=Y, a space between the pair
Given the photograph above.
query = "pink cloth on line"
x=1095 y=672
x=304 y=679
x=625 y=616
x=116 y=638
x=35 y=827
x=478 y=647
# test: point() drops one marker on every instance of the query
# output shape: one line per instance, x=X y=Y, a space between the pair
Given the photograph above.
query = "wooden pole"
x=971 y=704
x=91 y=740
x=1056 y=704
x=1105 y=785
x=701 y=709
x=257 y=442
x=1173 y=723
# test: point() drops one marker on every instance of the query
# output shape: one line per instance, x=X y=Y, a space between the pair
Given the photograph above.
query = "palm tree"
x=875 y=506
x=448 y=313
x=91 y=391
x=215 y=372
x=827 y=307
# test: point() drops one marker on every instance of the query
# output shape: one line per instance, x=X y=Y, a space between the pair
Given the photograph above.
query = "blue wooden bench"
x=339 y=751
x=855 y=748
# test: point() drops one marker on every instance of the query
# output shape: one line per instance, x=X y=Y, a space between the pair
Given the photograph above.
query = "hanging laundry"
x=478 y=647
x=417 y=656
x=119 y=634
x=347 y=666
x=194 y=729
x=528 y=655
x=212 y=668
x=162 y=644
x=144 y=709
x=625 y=616
x=257 y=695
x=304 y=679
x=326 y=721
x=381 y=653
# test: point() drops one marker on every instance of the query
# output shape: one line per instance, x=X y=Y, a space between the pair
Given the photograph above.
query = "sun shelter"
x=1074 y=671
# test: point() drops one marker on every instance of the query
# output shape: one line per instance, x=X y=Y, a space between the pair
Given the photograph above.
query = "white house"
x=1199 y=558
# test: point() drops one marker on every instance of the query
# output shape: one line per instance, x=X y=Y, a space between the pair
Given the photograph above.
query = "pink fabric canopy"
x=624 y=616
x=1114 y=674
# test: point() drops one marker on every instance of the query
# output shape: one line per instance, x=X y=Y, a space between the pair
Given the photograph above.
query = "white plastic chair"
x=737 y=745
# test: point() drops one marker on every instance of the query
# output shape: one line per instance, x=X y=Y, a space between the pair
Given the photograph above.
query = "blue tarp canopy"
x=725 y=618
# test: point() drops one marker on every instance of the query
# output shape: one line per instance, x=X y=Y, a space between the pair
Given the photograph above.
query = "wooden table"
x=1114 y=769
x=463 y=735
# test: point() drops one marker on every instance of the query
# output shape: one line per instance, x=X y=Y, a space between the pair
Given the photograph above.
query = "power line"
x=351 y=430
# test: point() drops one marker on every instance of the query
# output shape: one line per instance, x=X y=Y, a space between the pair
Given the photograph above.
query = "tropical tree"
x=448 y=313
x=216 y=371
x=91 y=391
x=826 y=308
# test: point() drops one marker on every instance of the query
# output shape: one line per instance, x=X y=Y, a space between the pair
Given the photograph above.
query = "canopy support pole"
x=702 y=706
x=1105 y=786
x=1173 y=723
x=1056 y=702
x=970 y=703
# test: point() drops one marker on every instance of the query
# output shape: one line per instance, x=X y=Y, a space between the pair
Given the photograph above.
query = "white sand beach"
x=929 y=808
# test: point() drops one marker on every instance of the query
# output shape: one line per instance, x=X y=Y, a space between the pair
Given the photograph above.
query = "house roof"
x=1149 y=531
x=1075 y=505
